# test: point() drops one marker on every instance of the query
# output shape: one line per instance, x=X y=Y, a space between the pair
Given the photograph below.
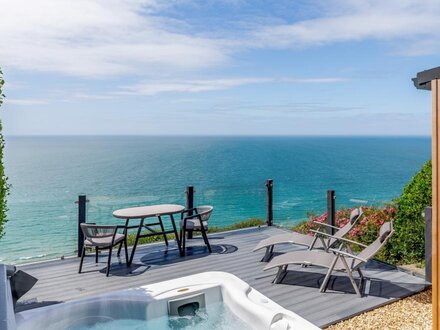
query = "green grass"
x=253 y=222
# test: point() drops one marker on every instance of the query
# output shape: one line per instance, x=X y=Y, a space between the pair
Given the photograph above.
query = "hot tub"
x=212 y=300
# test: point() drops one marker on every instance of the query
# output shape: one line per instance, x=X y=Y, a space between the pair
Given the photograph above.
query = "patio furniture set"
x=106 y=237
x=323 y=249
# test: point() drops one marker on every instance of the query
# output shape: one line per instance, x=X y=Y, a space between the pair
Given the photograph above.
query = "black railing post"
x=189 y=205
x=269 y=216
x=82 y=200
x=428 y=244
x=331 y=197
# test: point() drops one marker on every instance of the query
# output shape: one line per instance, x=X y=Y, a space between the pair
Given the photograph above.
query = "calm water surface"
x=47 y=174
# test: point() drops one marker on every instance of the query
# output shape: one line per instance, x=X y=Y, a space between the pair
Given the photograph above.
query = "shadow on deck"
x=232 y=252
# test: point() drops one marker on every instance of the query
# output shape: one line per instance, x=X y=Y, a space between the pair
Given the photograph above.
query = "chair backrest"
x=385 y=232
x=97 y=231
x=355 y=215
x=204 y=211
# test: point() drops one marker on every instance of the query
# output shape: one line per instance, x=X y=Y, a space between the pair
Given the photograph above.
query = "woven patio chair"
x=102 y=237
x=197 y=221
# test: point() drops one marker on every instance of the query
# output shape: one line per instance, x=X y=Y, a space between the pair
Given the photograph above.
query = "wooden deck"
x=232 y=252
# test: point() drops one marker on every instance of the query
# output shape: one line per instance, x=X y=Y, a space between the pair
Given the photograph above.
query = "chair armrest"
x=194 y=209
x=199 y=216
x=326 y=225
x=346 y=254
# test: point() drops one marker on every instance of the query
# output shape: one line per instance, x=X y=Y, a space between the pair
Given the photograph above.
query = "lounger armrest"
x=323 y=233
x=326 y=225
x=346 y=254
x=350 y=241
x=341 y=239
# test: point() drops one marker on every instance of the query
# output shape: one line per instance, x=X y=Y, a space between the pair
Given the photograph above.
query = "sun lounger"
x=334 y=259
x=317 y=241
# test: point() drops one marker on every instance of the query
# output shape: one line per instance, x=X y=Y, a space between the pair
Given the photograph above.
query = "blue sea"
x=48 y=173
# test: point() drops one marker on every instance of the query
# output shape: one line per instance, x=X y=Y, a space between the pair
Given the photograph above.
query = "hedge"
x=4 y=187
x=408 y=244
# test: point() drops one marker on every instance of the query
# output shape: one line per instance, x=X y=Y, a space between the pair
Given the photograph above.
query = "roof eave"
x=424 y=78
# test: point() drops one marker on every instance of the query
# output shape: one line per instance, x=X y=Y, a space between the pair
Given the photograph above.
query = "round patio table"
x=144 y=212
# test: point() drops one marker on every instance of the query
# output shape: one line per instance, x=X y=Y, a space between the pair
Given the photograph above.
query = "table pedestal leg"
x=141 y=225
x=163 y=230
x=125 y=234
x=176 y=234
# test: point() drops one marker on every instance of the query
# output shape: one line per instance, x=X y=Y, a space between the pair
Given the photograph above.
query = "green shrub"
x=408 y=243
x=4 y=187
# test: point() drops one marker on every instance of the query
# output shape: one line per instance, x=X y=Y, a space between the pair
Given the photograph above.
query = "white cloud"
x=24 y=102
x=410 y=21
x=190 y=86
x=97 y=38
x=196 y=86
x=101 y=38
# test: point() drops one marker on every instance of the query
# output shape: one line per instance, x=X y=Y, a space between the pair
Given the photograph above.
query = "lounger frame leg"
x=281 y=274
x=324 y=284
x=361 y=275
x=350 y=275
x=268 y=255
x=324 y=244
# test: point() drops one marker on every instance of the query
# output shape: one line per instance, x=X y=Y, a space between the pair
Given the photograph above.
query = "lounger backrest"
x=355 y=215
x=385 y=232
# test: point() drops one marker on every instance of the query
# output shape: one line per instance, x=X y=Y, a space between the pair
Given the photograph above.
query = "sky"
x=231 y=67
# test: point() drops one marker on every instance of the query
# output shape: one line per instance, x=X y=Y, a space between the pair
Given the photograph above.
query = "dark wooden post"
x=331 y=197
x=189 y=205
x=428 y=244
x=269 y=216
x=82 y=200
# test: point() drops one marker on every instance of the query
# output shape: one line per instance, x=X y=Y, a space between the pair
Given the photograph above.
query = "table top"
x=148 y=211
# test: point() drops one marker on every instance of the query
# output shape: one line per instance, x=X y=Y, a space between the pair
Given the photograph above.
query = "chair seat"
x=103 y=241
x=194 y=224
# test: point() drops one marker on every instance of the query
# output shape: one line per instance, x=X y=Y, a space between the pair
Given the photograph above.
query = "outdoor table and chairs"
x=143 y=213
x=152 y=222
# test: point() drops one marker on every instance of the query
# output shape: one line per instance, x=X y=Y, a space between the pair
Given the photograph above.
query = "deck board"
x=232 y=252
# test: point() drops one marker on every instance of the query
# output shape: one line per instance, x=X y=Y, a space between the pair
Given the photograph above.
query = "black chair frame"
x=193 y=214
x=109 y=247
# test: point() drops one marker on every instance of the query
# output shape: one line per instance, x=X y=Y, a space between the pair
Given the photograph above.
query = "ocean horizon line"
x=220 y=135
